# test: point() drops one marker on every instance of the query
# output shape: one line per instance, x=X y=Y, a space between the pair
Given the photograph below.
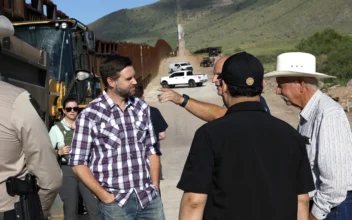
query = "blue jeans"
x=132 y=210
x=342 y=211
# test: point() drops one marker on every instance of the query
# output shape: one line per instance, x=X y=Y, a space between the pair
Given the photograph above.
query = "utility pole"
x=180 y=30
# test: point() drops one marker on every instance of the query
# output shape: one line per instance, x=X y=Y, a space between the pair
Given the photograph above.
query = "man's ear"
x=110 y=82
x=224 y=87
x=302 y=85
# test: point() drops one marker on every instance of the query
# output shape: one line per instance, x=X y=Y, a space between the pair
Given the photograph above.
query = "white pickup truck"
x=183 y=78
x=173 y=67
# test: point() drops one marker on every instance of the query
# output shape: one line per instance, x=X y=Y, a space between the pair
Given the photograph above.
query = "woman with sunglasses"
x=61 y=137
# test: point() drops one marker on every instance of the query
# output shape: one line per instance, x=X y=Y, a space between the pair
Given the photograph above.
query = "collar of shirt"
x=63 y=121
x=246 y=106
x=107 y=101
x=308 y=111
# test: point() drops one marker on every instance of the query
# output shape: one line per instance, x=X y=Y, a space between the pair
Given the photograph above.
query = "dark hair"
x=67 y=100
x=139 y=90
x=236 y=91
x=112 y=67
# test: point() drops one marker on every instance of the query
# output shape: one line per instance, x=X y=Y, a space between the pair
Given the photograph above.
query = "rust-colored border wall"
x=145 y=59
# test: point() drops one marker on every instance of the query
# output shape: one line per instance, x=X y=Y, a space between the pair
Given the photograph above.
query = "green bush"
x=333 y=52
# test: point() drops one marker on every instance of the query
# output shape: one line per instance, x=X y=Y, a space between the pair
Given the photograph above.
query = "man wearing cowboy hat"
x=327 y=131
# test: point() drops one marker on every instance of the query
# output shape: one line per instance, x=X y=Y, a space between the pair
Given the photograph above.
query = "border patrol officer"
x=247 y=164
x=25 y=148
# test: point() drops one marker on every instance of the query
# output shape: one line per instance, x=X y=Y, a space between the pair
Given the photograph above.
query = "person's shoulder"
x=283 y=124
x=328 y=106
x=154 y=110
x=96 y=106
x=10 y=93
x=54 y=129
x=139 y=103
x=10 y=89
x=95 y=111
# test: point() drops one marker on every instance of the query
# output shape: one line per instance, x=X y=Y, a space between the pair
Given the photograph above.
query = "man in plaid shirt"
x=112 y=148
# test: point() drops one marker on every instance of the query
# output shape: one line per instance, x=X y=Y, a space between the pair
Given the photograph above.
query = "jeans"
x=132 y=210
x=342 y=211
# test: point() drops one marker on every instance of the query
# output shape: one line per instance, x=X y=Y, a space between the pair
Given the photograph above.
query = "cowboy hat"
x=6 y=27
x=296 y=64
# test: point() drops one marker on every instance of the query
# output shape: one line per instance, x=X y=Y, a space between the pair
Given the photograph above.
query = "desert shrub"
x=333 y=52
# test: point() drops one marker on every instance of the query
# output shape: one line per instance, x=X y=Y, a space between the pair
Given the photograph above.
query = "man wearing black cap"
x=247 y=164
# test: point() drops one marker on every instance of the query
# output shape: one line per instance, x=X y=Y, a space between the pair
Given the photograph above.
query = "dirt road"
x=182 y=126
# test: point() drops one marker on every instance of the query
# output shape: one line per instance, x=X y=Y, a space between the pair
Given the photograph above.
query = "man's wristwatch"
x=185 y=100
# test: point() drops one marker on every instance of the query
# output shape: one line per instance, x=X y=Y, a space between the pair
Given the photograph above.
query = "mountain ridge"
x=232 y=24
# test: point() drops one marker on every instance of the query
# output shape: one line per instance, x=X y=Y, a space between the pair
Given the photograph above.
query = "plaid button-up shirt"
x=115 y=145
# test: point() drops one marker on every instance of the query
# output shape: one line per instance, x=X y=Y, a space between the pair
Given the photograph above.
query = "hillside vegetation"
x=258 y=26
x=333 y=52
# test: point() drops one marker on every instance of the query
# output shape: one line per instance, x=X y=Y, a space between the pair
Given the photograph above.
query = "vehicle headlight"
x=63 y=25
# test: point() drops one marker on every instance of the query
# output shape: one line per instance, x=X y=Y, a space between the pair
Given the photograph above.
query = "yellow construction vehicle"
x=71 y=48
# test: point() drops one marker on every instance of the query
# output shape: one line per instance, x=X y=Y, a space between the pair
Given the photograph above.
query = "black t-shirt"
x=159 y=125
x=251 y=165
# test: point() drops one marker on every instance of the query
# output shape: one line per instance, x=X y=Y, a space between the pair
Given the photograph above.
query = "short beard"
x=124 y=93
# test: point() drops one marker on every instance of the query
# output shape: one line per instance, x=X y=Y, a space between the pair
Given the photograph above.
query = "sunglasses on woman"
x=68 y=109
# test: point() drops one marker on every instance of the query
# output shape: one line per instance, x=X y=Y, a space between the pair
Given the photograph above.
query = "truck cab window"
x=57 y=42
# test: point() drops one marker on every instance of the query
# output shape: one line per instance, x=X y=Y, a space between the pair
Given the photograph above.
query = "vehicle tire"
x=164 y=84
x=199 y=84
x=191 y=83
x=171 y=86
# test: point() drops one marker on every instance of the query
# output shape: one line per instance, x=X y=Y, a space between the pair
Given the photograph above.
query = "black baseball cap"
x=242 y=70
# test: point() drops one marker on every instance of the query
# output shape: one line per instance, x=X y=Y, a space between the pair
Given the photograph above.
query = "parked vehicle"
x=206 y=62
x=173 y=67
x=211 y=51
x=183 y=78
x=214 y=51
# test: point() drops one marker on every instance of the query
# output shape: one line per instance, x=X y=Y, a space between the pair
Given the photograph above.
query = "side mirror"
x=82 y=75
x=6 y=27
x=89 y=40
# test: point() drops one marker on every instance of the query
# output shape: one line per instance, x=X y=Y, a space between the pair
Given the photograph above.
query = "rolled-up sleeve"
x=40 y=156
x=82 y=141
x=334 y=164
x=150 y=136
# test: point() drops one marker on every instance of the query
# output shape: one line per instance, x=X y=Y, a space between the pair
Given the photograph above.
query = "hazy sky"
x=87 y=11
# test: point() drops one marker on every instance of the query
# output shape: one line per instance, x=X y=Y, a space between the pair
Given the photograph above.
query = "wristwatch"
x=185 y=100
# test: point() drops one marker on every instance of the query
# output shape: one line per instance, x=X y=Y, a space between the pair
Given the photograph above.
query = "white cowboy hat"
x=6 y=27
x=296 y=64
